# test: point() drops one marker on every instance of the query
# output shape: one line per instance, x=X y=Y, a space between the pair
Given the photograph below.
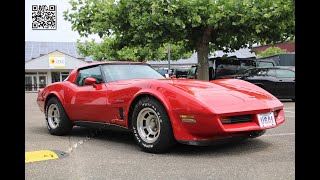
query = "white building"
x=46 y=63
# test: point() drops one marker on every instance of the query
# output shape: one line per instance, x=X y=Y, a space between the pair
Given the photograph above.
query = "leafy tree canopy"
x=270 y=51
x=105 y=51
x=201 y=25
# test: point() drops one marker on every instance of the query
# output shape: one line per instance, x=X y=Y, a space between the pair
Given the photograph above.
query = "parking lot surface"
x=112 y=154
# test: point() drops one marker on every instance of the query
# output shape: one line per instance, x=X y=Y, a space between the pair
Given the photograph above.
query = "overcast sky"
x=63 y=33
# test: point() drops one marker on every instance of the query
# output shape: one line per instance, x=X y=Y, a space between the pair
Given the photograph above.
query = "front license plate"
x=266 y=120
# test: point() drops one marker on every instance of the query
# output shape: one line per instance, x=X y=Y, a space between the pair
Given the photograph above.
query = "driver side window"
x=93 y=72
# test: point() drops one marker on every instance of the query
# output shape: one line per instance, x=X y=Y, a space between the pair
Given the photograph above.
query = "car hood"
x=227 y=95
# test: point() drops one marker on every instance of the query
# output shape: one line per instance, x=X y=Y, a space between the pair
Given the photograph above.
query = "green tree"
x=106 y=51
x=270 y=51
x=200 y=25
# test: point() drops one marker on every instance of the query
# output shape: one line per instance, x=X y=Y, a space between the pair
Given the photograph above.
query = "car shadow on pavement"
x=111 y=134
x=116 y=135
x=231 y=148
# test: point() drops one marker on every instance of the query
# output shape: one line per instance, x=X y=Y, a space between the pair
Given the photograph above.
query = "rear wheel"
x=152 y=127
x=58 y=122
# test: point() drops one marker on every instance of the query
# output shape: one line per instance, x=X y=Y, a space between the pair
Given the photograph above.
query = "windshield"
x=115 y=72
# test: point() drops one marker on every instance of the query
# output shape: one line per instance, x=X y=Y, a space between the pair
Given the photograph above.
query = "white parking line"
x=281 y=134
x=289 y=112
x=289 y=107
x=76 y=145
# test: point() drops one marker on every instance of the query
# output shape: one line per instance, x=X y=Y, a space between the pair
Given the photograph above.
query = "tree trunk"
x=203 y=64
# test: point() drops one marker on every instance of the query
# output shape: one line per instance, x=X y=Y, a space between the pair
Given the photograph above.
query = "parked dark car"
x=222 y=66
x=230 y=66
x=278 y=80
x=287 y=59
x=180 y=72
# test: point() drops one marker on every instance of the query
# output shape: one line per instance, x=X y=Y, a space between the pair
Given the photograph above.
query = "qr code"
x=44 y=17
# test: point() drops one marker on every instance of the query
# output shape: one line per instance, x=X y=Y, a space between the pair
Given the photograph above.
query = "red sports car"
x=159 y=111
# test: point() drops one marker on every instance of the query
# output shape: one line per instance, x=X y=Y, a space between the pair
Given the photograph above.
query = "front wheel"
x=152 y=127
x=58 y=122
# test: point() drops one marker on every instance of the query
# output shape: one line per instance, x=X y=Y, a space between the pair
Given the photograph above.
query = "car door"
x=89 y=103
x=286 y=83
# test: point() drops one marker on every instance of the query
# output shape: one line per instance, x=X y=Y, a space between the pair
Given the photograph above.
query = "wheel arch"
x=141 y=96
x=49 y=96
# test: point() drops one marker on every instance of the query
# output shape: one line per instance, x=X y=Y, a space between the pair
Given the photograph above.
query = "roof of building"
x=34 y=49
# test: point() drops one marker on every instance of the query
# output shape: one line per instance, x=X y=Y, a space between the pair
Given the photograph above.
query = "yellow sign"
x=57 y=61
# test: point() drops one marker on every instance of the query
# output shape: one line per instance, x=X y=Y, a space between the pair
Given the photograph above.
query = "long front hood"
x=228 y=95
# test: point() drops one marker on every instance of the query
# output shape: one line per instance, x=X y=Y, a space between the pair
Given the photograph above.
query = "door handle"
x=280 y=80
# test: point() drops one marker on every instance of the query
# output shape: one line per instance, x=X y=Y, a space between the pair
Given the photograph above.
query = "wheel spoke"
x=53 y=116
x=152 y=133
x=148 y=125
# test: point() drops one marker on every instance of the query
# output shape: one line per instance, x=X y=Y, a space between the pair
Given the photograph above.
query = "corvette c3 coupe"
x=158 y=111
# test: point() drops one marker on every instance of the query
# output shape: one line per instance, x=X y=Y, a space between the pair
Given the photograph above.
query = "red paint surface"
x=206 y=101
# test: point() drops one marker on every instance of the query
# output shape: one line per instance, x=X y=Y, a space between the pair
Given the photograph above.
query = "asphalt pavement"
x=112 y=154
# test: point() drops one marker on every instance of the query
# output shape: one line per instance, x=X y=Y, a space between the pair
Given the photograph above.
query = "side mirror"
x=90 y=81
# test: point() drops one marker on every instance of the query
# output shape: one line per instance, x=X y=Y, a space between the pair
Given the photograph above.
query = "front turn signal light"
x=225 y=120
x=187 y=118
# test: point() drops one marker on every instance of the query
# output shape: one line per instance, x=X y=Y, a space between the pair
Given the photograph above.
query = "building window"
x=42 y=80
x=30 y=81
x=58 y=76
x=64 y=75
x=55 y=77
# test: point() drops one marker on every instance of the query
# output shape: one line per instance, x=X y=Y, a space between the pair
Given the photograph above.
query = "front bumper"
x=236 y=137
x=208 y=128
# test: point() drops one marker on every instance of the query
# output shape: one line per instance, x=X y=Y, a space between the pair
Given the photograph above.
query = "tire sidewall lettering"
x=140 y=107
x=64 y=124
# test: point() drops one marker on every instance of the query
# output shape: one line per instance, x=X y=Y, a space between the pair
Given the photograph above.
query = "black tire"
x=163 y=140
x=60 y=125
